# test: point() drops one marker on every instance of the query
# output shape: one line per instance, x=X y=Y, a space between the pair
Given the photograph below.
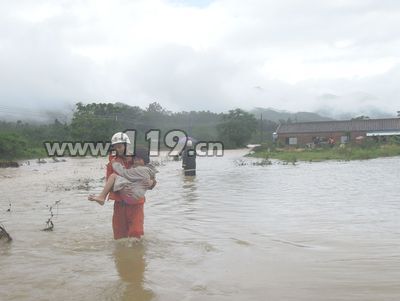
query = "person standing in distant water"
x=189 y=159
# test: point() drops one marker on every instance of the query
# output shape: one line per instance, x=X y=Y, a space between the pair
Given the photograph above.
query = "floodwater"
x=313 y=231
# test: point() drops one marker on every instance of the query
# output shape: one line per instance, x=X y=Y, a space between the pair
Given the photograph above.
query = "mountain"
x=277 y=115
x=370 y=112
x=351 y=105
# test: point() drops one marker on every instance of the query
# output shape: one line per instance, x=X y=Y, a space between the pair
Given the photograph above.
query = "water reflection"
x=5 y=247
x=189 y=185
x=130 y=264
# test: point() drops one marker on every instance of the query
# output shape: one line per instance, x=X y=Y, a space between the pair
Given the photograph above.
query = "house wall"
x=305 y=138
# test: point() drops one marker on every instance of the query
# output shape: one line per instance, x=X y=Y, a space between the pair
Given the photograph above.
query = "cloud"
x=201 y=54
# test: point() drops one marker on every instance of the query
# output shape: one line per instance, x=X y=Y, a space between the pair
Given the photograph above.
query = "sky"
x=332 y=56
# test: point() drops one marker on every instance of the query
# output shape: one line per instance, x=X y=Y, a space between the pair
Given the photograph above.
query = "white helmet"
x=120 y=137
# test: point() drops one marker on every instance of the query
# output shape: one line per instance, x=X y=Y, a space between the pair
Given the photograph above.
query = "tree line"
x=99 y=121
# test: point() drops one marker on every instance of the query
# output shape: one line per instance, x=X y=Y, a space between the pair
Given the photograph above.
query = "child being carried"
x=136 y=179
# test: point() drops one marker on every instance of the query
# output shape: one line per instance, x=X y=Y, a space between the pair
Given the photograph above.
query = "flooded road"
x=320 y=231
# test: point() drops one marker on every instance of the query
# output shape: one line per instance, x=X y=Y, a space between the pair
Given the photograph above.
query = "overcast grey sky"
x=193 y=55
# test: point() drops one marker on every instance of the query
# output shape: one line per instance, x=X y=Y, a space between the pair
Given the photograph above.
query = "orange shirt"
x=115 y=195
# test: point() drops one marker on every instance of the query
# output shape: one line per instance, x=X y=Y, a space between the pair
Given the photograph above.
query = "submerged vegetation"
x=4 y=234
x=49 y=222
x=262 y=162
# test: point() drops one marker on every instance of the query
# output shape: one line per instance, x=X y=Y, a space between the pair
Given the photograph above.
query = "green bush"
x=12 y=146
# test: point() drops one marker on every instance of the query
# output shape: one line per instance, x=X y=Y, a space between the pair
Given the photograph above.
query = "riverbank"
x=28 y=154
x=347 y=153
x=5 y=164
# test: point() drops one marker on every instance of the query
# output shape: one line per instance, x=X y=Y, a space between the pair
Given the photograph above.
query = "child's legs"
x=109 y=185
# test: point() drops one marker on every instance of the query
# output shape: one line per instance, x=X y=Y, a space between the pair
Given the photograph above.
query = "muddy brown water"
x=320 y=231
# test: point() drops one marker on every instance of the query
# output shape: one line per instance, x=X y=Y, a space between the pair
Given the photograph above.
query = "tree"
x=95 y=121
x=12 y=146
x=237 y=127
x=130 y=117
x=155 y=107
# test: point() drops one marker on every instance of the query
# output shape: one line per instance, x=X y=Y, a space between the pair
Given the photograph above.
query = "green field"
x=349 y=152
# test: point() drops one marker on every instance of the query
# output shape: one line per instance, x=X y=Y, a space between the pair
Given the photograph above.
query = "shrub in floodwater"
x=49 y=222
x=4 y=234
x=240 y=162
x=263 y=162
x=84 y=184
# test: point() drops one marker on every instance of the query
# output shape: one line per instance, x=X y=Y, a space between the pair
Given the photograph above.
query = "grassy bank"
x=350 y=152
